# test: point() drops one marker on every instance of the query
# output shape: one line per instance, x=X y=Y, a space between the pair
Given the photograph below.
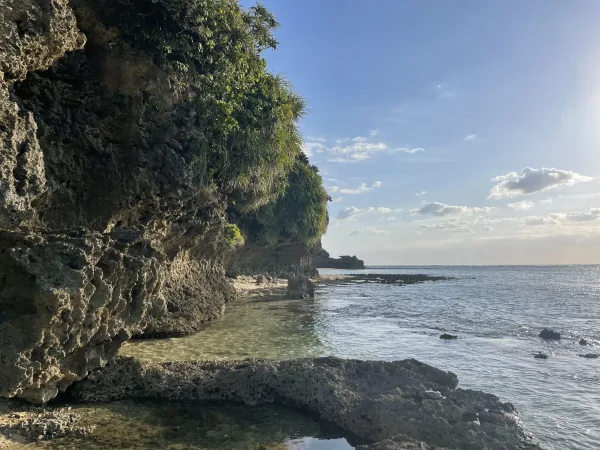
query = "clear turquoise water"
x=497 y=311
x=137 y=425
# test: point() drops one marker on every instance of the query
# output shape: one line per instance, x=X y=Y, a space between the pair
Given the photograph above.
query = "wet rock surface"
x=299 y=288
x=21 y=423
x=377 y=401
x=393 y=279
x=590 y=355
x=549 y=334
x=448 y=337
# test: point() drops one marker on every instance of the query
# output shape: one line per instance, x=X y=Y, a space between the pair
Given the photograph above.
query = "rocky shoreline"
x=393 y=405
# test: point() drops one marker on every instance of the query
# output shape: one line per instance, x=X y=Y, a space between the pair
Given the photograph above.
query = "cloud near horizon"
x=460 y=226
x=368 y=230
x=531 y=181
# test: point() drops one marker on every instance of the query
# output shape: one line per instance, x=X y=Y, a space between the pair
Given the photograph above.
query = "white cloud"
x=521 y=206
x=369 y=230
x=409 y=150
x=361 y=189
x=438 y=209
x=418 y=194
x=352 y=212
x=530 y=181
x=470 y=137
x=391 y=218
x=536 y=220
x=486 y=228
x=337 y=199
x=309 y=148
x=360 y=148
x=548 y=201
x=583 y=216
x=563 y=218
x=331 y=189
x=461 y=226
x=317 y=139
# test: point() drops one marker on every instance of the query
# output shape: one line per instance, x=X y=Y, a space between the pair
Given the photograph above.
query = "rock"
x=299 y=288
x=582 y=341
x=260 y=279
x=323 y=261
x=375 y=400
x=590 y=355
x=32 y=425
x=549 y=334
x=448 y=336
x=540 y=355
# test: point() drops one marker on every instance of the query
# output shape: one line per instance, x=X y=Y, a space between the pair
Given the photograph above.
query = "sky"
x=461 y=132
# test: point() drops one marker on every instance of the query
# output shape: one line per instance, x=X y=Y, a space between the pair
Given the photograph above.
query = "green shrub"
x=233 y=235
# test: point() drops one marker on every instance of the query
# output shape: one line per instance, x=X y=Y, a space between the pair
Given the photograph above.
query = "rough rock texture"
x=374 y=400
x=322 y=260
x=20 y=423
x=549 y=334
x=284 y=260
x=299 y=288
x=33 y=34
x=106 y=230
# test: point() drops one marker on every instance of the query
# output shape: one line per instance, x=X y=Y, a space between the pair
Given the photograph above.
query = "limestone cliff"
x=133 y=136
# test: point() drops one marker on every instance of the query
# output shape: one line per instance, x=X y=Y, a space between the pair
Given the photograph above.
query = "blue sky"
x=439 y=98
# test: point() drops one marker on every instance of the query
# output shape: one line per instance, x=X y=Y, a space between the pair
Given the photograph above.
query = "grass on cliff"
x=246 y=141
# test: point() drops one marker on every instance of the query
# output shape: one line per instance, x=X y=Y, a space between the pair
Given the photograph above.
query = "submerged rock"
x=549 y=334
x=540 y=355
x=374 y=400
x=590 y=355
x=448 y=336
x=582 y=341
x=20 y=423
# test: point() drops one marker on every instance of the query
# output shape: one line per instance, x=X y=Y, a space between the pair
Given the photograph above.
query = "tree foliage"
x=247 y=142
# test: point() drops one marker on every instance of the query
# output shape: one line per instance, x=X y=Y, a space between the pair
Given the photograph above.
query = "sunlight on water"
x=497 y=311
x=284 y=329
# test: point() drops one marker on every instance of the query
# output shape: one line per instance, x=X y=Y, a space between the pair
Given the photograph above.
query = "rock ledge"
x=400 y=404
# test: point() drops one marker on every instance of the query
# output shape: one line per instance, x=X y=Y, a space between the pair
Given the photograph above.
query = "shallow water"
x=497 y=311
x=179 y=426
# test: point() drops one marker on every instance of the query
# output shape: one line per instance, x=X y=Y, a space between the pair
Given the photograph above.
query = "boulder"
x=323 y=261
x=582 y=341
x=540 y=355
x=448 y=336
x=299 y=288
x=377 y=401
x=549 y=334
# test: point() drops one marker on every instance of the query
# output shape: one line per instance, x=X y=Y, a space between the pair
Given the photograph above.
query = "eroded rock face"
x=386 y=402
x=106 y=229
x=67 y=302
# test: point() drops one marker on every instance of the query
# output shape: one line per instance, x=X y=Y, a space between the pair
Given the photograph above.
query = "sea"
x=497 y=312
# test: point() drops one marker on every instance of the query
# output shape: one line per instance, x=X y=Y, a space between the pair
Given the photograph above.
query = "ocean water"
x=497 y=311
